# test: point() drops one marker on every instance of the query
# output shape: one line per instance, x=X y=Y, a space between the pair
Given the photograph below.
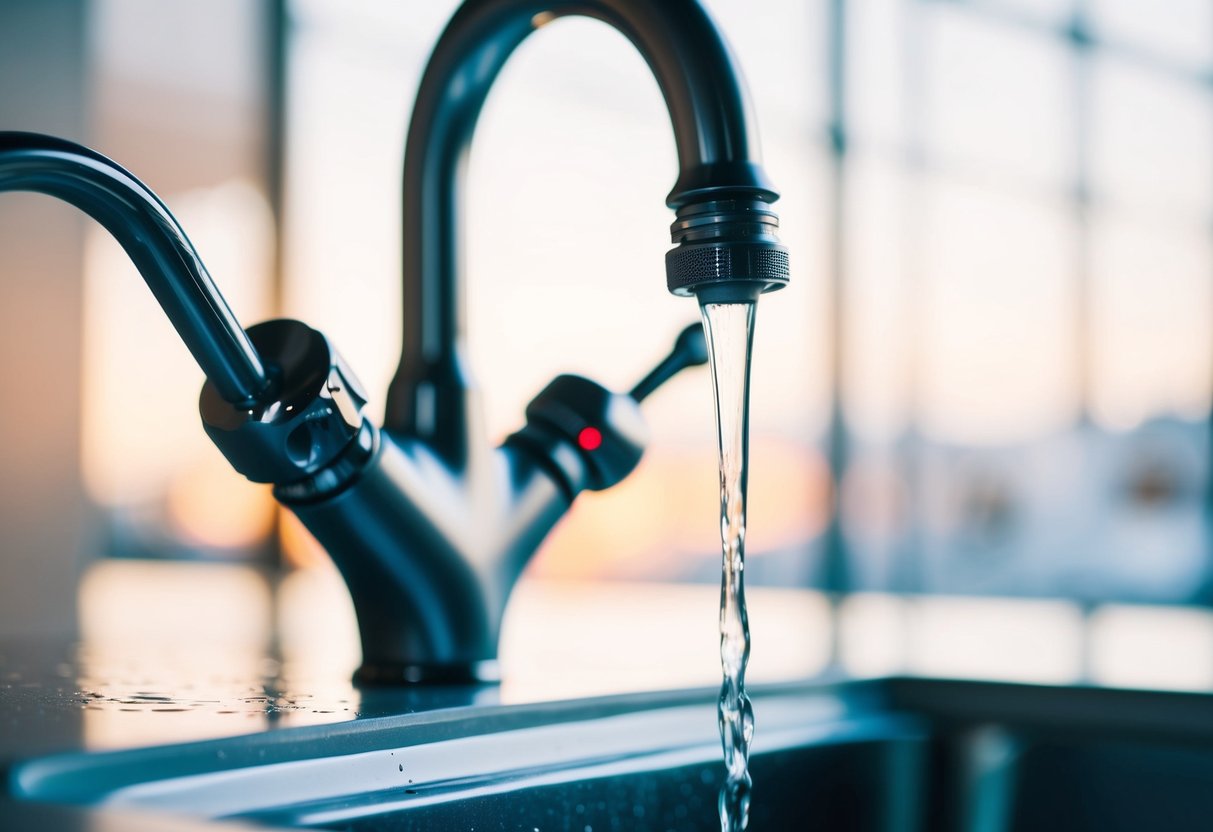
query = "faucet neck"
x=713 y=129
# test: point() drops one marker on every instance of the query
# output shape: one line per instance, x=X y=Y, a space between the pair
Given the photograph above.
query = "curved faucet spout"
x=153 y=240
x=720 y=183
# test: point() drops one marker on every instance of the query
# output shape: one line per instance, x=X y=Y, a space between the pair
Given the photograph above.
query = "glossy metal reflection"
x=430 y=525
x=155 y=242
x=720 y=181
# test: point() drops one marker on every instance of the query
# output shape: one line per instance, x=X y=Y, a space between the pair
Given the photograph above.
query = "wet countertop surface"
x=66 y=699
x=172 y=654
x=61 y=698
x=60 y=701
x=175 y=654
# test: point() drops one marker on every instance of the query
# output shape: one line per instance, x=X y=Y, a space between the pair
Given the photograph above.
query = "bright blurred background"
x=990 y=376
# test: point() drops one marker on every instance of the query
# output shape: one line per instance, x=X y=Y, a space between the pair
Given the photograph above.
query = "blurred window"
x=1026 y=296
x=193 y=128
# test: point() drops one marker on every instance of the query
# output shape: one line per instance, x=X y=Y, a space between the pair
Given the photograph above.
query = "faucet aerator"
x=727 y=251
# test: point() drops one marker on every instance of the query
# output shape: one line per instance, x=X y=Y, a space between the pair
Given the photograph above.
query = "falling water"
x=730 y=328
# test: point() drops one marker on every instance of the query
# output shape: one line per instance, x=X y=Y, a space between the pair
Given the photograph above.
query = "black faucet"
x=724 y=232
x=430 y=526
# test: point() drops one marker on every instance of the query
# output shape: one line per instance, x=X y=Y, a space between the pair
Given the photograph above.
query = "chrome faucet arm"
x=155 y=242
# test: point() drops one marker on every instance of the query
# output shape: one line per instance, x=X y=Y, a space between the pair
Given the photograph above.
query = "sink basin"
x=892 y=755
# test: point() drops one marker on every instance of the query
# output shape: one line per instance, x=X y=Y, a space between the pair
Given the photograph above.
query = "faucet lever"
x=690 y=350
x=590 y=437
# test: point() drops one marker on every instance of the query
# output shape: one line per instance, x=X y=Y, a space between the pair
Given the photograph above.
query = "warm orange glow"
x=140 y=386
x=665 y=513
x=161 y=605
x=299 y=548
x=209 y=503
x=662 y=516
x=194 y=639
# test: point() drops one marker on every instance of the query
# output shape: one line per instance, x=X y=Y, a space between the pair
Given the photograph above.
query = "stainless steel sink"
x=896 y=754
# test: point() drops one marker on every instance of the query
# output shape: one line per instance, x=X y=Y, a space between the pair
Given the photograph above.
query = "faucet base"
x=486 y=672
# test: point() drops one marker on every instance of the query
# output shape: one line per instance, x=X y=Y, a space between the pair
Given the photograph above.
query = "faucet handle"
x=690 y=350
x=593 y=437
x=315 y=420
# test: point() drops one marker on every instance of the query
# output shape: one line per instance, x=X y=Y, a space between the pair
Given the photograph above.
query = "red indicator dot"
x=590 y=439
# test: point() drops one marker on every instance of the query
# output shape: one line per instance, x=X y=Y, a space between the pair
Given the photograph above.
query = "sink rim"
x=572 y=740
x=192 y=777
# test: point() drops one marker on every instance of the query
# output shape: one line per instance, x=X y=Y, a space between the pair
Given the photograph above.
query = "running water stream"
x=729 y=328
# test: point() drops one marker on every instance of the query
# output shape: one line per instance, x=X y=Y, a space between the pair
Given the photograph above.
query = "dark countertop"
x=65 y=699
x=178 y=655
x=57 y=698
x=79 y=725
x=30 y=817
x=227 y=669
